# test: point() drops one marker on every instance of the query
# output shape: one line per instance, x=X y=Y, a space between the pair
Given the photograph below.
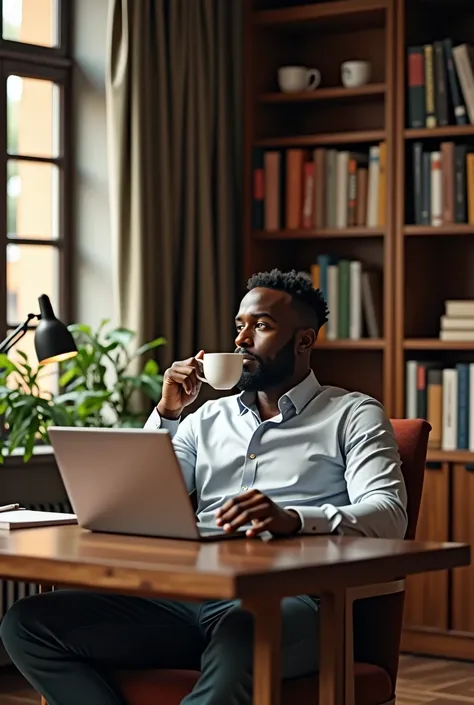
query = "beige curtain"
x=174 y=140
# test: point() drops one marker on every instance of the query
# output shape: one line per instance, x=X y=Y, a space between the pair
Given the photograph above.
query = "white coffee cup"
x=355 y=73
x=298 y=78
x=221 y=370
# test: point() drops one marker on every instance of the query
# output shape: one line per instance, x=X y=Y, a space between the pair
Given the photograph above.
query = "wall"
x=93 y=255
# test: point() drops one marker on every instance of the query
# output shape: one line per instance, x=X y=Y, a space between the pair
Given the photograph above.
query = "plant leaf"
x=122 y=336
x=151 y=368
x=158 y=342
x=80 y=328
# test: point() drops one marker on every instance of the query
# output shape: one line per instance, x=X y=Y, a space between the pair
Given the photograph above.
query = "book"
x=29 y=518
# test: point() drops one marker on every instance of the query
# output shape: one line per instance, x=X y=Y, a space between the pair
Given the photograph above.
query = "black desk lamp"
x=53 y=341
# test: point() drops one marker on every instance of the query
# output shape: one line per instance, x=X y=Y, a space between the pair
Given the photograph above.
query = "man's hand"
x=253 y=506
x=180 y=386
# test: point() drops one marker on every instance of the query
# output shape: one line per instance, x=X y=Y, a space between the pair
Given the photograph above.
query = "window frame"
x=51 y=64
x=51 y=55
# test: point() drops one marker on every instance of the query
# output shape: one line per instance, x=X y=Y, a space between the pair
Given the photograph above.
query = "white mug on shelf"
x=292 y=79
x=355 y=73
x=221 y=370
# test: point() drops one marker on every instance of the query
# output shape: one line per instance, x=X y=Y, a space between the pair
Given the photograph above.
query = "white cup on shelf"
x=292 y=79
x=355 y=73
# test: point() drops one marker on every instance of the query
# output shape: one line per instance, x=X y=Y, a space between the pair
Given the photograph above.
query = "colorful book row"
x=354 y=297
x=440 y=84
x=296 y=189
x=442 y=396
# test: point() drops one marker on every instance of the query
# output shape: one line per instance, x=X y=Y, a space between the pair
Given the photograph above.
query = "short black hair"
x=300 y=287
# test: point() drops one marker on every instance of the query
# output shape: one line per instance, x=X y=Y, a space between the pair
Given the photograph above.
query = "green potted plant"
x=108 y=383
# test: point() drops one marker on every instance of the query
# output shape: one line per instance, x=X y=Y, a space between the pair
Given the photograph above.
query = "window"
x=34 y=175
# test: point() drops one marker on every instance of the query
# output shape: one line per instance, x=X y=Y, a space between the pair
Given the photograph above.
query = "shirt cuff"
x=313 y=520
x=157 y=421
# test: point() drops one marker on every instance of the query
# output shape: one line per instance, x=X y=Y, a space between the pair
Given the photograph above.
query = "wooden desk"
x=258 y=573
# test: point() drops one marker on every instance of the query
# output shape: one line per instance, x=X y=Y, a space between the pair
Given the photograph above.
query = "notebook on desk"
x=29 y=518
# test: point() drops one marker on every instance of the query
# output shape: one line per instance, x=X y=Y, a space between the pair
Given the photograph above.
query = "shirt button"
x=244 y=488
x=252 y=456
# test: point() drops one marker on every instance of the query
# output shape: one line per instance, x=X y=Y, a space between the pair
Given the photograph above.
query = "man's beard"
x=267 y=375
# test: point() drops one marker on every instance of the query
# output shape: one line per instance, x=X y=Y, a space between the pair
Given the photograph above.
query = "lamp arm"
x=17 y=334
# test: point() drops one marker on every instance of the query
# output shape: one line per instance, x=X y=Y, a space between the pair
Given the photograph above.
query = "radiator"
x=13 y=590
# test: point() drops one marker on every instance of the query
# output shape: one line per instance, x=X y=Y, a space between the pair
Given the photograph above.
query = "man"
x=286 y=455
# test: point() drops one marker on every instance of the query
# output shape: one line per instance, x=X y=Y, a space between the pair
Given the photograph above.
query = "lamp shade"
x=53 y=341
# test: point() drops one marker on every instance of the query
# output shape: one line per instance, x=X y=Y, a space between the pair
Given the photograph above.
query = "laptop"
x=128 y=481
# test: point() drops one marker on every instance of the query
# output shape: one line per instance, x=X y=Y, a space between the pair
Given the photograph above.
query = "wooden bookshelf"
x=311 y=233
x=423 y=265
x=323 y=35
x=432 y=265
x=329 y=138
x=326 y=94
x=432 y=231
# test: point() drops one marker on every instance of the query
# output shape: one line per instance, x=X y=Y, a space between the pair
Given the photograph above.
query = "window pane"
x=31 y=21
x=32 y=270
x=32 y=199
x=32 y=117
x=49 y=374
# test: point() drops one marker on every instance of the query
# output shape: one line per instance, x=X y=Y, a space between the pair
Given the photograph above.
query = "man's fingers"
x=185 y=375
x=247 y=515
x=240 y=499
x=259 y=527
x=182 y=379
x=237 y=506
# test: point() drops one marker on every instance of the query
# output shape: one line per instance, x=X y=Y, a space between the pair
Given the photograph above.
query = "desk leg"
x=267 y=650
x=332 y=648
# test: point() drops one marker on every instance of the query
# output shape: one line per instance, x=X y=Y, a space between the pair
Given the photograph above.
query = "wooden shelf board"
x=310 y=233
x=344 y=12
x=436 y=344
x=454 y=229
x=335 y=93
x=448 y=131
x=346 y=344
x=450 y=456
x=323 y=138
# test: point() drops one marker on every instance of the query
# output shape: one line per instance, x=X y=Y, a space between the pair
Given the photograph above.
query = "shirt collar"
x=299 y=396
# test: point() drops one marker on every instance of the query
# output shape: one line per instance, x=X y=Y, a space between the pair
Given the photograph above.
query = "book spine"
x=421 y=400
x=463 y=406
x=333 y=302
x=442 y=115
x=460 y=114
x=416 y=87
x=447 y=162
x=355 y=300
x=417 y=182
x=430 y=87
x=436 y=190
x=308 y=201
x=352 y=193
x=343 y=296
x=435 y=407
x=460 y=153
x=450 y=423
x=426 y=186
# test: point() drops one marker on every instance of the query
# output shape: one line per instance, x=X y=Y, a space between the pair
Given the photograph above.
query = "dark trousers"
x=67 y=642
